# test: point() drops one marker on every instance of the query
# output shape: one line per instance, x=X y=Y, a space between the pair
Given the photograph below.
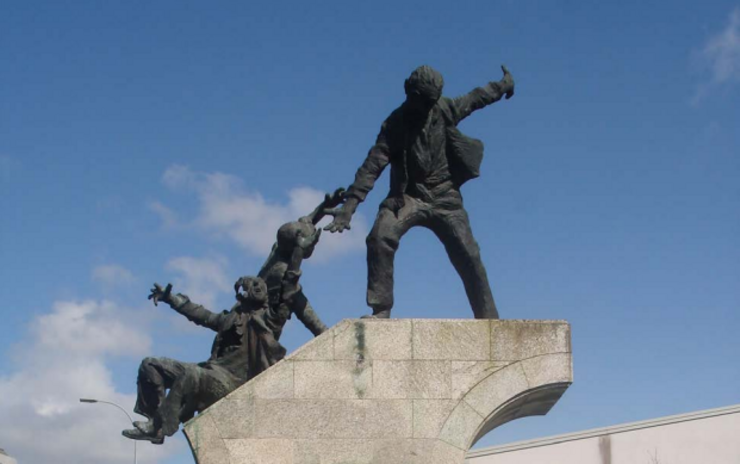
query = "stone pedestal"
x=402 y=391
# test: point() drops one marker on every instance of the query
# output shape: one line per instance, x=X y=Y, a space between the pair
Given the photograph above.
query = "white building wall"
x=5 y=459
x=709 y=437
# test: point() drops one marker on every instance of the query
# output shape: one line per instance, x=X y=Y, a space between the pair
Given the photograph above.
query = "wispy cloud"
x=64 y=357
x=721 y=57
x=168 y=217
x=112 y=275
x=227 y=210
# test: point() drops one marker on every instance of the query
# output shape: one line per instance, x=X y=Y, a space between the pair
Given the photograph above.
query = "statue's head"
x=423 y=89
x=251 y=290
x=297 y=233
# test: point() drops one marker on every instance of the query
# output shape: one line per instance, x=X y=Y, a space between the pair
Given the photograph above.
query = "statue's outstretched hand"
x=343 y=214
x=507 y=83
x=342 y=218
x=158 y=294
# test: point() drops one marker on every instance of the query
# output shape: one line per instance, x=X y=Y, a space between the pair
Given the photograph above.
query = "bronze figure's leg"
x=183 y=391
x=156 y=375
x=452 y=227
x=382 y=244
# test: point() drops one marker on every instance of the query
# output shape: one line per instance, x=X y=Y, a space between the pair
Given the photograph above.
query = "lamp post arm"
x=130 y=419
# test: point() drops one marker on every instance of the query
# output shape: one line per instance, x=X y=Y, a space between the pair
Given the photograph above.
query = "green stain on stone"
x=360 y=383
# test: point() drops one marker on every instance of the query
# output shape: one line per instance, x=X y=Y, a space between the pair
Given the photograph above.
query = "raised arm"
x=481 y=97
x=182 y=304
x=377 y=159
x=330 y=201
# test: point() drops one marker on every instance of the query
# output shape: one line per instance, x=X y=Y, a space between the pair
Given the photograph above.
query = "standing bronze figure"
x=430 y=159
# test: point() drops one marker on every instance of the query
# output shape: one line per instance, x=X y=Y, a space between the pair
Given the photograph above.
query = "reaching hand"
x=342 y=215
x=158 y=294
x=342 y=218
x=507 y=83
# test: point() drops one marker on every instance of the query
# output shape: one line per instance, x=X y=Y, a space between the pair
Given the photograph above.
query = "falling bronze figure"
x=247 y=342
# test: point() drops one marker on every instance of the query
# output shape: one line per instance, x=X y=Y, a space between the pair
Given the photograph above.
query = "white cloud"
x=723 y=51
x=112 y=275
x=168 y=217
x=227 y=210
x=721 y=56
x=62 y=359
x=202 y=279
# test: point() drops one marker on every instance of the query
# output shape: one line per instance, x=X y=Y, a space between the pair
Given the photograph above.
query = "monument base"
x=402 y=391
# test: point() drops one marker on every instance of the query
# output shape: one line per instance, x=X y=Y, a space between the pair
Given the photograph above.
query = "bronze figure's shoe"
x=146 y=427
x=381 y=314
x=135 y=434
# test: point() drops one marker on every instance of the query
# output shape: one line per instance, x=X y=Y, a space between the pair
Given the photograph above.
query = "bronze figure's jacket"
x=245 y=344
x=429 y=162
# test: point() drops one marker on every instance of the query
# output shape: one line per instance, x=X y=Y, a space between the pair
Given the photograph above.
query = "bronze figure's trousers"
x=192 y=387
x=448 y=220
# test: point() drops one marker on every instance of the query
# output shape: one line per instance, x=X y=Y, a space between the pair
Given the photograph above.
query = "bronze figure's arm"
x=326 y=207
x=292 y=291
x=377 y=159
x=481 y=97
x=302 y=308
x=182 y=304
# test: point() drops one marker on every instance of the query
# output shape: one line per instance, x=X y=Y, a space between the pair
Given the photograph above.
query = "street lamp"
x=90 y=400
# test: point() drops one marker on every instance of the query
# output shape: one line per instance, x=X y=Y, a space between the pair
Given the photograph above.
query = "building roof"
x=614 y=429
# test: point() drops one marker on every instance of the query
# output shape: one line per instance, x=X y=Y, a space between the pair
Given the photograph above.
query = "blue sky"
x=140 y=140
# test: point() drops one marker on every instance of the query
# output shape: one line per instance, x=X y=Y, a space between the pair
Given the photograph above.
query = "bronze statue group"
x=430 y=159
